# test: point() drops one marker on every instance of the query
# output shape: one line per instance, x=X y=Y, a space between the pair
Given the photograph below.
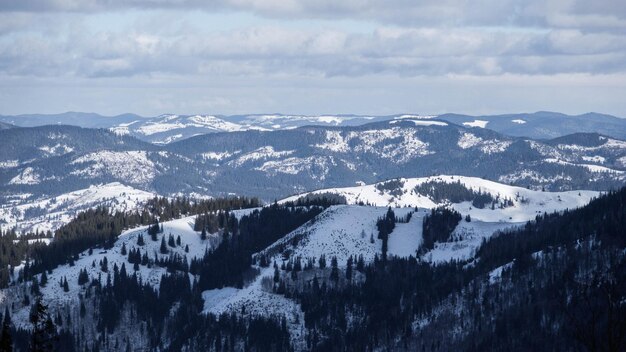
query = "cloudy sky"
x=312 y=56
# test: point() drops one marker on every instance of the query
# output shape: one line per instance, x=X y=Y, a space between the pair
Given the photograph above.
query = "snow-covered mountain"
x=53 y=160
x=340 y=231
x=544 y=124
x=168 y=128
x=165 y=129
x=48 y=214
x=404 y=192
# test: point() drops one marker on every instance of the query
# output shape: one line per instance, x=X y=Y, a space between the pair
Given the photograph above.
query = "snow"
x=590 y=167
x=266 y=152
x=28 y=176
x=255 y=300
x=340 y=231
x=469 y=140
x=423 y=123
x=536 y=202
x=476 y=123
x=594 y=159
x=294 y=166
x=496 y=274
x=406 y=238
x=519 y=121
x=168 y=123
x=491 y=146
x=466 y=239
x=334 y=142
x=61 y=209
x=57 y=149
x=407 y=147
x=218 y=155
x=130 y=166
x=409 y=116
x=56 y=298
x=9 y=164
x=609 y=144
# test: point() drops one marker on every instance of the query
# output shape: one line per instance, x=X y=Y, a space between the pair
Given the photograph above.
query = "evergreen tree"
x=44 y=336
x=334 y=271
x=163 y=248
x=6 y=340
x=140 y=241
x=322 y=261
x=349 y=269
x=203 y=235
x=123 y=251
x=44 y=279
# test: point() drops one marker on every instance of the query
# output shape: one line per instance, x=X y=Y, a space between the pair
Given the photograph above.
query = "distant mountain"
x=273 y=164
x=544 y=124
x=80 y=119
x=170 y=128
x=4 y=126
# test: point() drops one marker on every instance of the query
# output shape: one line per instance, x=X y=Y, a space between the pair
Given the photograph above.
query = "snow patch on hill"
x=131 y=166
x=466 y=239
x=28 y=176
x=266 y=152
x=48 y=214
x=526 y=203
x=56 y=298
x=476 y=123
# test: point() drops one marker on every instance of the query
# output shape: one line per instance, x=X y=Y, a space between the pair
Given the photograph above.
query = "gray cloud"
x=276 y=50
x=523 y=13
x=292 y=54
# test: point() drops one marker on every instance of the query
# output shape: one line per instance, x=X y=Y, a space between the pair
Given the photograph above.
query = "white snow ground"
x=51 y=213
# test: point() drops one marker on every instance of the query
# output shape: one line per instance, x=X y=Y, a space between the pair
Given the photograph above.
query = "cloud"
x=522 y=13
x=222 y=46
x=275 y=50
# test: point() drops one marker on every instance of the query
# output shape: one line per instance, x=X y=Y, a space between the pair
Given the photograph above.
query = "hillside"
x=544 y=124
x=52 y=160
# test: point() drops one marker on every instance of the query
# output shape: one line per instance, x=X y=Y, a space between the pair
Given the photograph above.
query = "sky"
x=312 y=56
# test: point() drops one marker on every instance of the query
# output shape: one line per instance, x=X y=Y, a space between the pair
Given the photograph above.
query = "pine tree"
x=66 y=286
x=123 y=251
x=322 y=261
x=34 y=288
x=334 y=272
x=44 y=336
x=140 y=241
x=6 y=340
x=163 y=248
x=170 y=241
x=276 y=274
x=178 y=240
x=203 y=235
x=349 y=269
x=44 y=279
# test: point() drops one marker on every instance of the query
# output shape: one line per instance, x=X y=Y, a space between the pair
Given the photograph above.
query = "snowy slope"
x=340 y=231
x=526 y=203
x=50 y=213
x=56 y=298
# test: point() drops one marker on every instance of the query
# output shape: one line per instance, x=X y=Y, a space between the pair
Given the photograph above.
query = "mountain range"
x=51 y=160
x=169 y=128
